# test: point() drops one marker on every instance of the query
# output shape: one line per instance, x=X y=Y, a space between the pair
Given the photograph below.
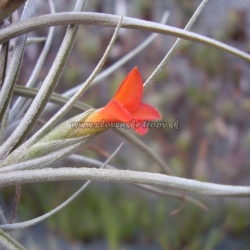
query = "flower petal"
x=130 y=91
x=146 y=112
x=117 y=113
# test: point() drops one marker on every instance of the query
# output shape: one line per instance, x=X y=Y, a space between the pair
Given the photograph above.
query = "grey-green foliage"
x=22 y=160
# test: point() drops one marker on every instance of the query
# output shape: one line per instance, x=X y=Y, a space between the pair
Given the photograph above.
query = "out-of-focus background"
x=207 y=90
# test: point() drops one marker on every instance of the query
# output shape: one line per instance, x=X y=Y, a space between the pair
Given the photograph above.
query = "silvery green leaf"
x=7 y=241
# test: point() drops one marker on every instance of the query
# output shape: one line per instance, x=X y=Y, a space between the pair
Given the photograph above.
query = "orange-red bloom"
x=126 y=105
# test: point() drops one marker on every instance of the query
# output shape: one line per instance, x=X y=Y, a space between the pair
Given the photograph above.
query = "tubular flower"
x=127 y=106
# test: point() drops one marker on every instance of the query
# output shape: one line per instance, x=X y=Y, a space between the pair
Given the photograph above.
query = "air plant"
x=26 y=157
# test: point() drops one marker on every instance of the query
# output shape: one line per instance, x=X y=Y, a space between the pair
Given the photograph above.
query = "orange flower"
x=126 y=105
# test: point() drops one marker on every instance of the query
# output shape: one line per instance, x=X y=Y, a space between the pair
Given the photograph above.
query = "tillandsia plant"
x=27 y=156
x=125 y=107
